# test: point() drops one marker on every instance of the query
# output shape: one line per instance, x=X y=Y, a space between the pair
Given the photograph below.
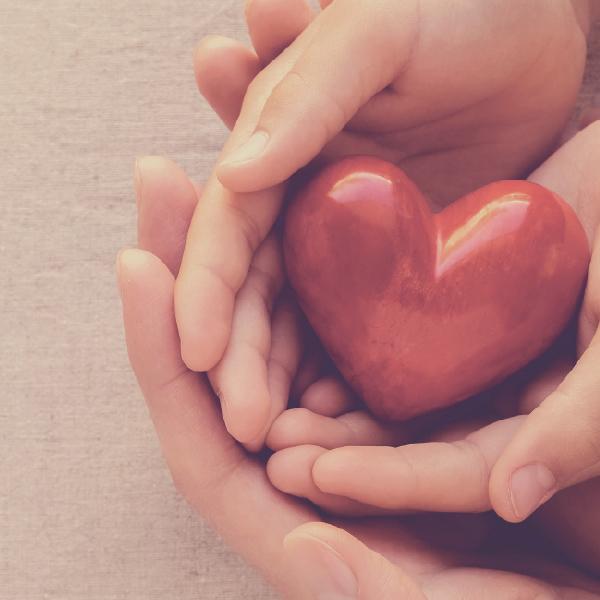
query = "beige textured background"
x=87 y=510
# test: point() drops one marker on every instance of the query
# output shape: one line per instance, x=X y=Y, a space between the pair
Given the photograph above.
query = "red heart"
x=421 y=310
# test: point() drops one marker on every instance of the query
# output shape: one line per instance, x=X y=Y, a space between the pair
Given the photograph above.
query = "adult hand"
x=512 y=465
x=417 y=82
x=455 y=558
x=268 y=356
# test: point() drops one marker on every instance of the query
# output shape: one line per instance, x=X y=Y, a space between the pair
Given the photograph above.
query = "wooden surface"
x=87 y=509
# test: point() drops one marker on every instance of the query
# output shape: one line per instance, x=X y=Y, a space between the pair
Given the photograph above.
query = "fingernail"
x=249 y=150
x=530 y=487
x=323 y=571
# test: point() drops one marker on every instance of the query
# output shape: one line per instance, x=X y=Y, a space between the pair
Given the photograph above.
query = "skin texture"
x=408 y=560
x=453 y=470
x=420 y=311
x=395 y=85
x=242 y=221
x=281 y=536
x=328 y=417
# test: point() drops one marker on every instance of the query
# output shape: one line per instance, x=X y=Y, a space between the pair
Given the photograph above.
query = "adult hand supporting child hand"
x=557 y=432
x=374 y=559
x=262 y=16
x=420 y=84
x=231 y=490
x=213 y=473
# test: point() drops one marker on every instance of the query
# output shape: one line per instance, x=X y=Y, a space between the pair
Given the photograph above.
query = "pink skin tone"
x=230 y=317
x=428 y=476
x=248 y=363
x=189 y=426
x=450 y=135
x=284 y=538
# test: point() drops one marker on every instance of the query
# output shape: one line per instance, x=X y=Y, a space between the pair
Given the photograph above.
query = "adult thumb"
x=331 y=564
x=350 y=52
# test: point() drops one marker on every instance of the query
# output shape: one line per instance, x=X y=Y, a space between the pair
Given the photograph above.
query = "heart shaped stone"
x=421 y=310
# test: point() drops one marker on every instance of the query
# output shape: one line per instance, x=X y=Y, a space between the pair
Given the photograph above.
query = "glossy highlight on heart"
x=421 y=310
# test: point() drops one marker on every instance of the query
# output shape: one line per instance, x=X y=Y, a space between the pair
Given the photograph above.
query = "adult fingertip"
x=137 y=271
x=210 y=42
x=150 y=163
x=274 y=25
x=145 y=172
x=130 y=260
x=214 y=52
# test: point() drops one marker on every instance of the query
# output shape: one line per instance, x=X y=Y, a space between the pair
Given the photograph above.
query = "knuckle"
x=406 y=464
x=265 y=276
x=291 y=92
x=354 y=427
x=201 y=491
x=296 y=89
x=593 y=446
x=484 y=470
x=249 y=228
x=260 y=86
x=294 y=83
x=217 y=275
x=166 y=386
x=263 y=283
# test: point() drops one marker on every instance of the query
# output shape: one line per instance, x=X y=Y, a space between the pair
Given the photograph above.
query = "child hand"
x=253 y=386
x=264 y=363
x=456 y=96
x=479 y=465
x=438 y=558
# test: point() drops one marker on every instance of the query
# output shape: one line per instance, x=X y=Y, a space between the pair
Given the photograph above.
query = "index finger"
x=226 y=230
x=434 y=476
x=208 y=467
